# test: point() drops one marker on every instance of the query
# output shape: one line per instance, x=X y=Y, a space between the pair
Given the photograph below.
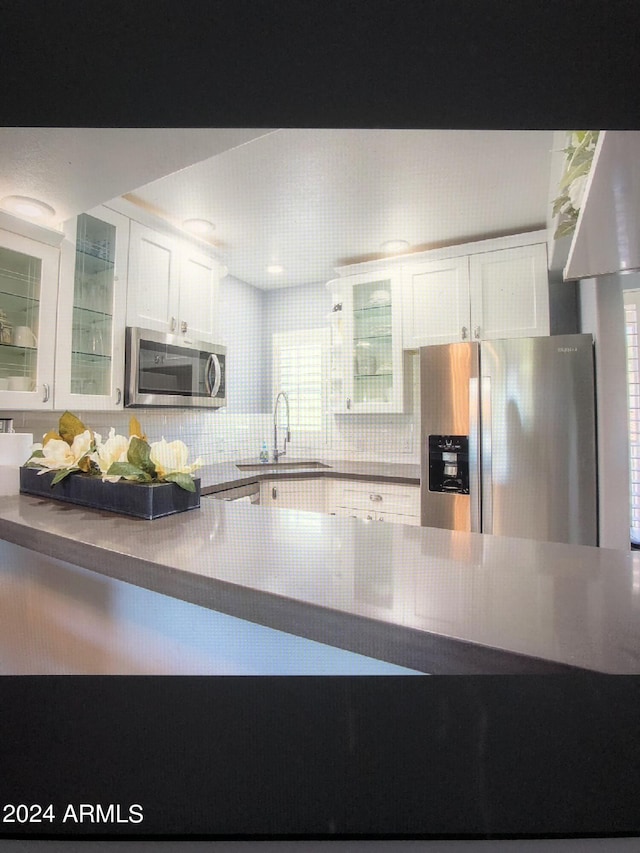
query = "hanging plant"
x=578 y=158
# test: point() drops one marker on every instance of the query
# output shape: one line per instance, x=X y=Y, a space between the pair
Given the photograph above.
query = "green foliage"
x=185 y=481
x=129 y=472
x=70 y=426
x=138 y=455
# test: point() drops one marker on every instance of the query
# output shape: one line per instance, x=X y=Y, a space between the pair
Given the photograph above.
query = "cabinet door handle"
x=348 y=402
x=274 y=493
x=118 y=396
x=45 y=393
x=369 y=517
x=172 y=324
x=465 y=332
x=476 y=332
x=375 y=497
x=183 y=327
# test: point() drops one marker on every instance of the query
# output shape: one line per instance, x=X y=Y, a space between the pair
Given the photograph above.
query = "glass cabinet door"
x=367 y=363
x=90 y=356
x=20 y=282
x=372 y=343
x=92 y=331
x=28 y=293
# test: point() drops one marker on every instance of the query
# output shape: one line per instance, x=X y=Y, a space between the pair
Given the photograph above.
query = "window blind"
x=299 y=368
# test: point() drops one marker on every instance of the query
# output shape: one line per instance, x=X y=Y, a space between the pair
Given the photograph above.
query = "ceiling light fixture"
x=25 y=206
x=275 y=269
x=394 y=246
x=199 y=226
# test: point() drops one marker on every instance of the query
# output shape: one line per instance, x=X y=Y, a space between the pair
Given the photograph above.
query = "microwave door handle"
x=218 y=369
x=207 y=375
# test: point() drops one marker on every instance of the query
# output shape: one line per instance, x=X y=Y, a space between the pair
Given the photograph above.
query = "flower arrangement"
x=579 y=156
x=76 y=448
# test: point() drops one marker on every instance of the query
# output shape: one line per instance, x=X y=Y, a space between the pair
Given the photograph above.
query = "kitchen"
x=270 y=188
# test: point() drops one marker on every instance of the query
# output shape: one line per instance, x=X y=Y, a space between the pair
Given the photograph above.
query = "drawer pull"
x=375 y=497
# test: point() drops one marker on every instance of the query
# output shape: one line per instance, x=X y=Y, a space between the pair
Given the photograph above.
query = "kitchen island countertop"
x=436 y=601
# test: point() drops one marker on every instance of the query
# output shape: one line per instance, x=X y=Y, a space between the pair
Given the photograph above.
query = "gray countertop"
x=227 y=475
x=433 y=600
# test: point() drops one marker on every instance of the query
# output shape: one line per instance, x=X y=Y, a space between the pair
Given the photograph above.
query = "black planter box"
x=142 y=500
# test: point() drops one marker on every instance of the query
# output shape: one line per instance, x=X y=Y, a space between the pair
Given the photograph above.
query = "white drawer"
x=379 y=497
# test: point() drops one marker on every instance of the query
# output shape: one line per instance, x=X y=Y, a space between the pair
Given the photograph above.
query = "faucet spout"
x=278 y=453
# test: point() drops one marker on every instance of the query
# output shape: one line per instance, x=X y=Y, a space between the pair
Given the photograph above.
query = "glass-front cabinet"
x=366 y=344
x=91 y=312
x=28 y=295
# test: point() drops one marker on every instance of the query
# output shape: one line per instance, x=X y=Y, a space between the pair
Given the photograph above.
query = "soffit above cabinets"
x=606 y=239
x=310 y=200
x=75 y=169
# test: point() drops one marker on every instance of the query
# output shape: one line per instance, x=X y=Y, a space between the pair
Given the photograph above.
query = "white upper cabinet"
x=366 y=365
x=198 y=305
x=173 y=287
x=152 y=301
x=483 y=291
x=91 y=312
x=509 y=292
x=436 y=302
x=28 y=296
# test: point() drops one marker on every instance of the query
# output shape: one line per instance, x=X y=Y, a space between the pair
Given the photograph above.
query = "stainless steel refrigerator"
x=508 y=438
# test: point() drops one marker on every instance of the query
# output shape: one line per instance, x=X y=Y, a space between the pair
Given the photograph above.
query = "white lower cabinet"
x=376 y=501
x=308 y=495
x=356 y=498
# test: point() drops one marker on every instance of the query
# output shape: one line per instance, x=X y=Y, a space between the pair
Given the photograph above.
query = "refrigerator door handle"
x=487 y=477
x=474 y=457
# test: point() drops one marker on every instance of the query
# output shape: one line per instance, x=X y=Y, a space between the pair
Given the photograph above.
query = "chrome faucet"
x=278 y=453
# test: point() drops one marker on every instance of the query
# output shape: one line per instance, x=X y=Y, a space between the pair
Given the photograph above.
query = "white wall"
x=602 y=314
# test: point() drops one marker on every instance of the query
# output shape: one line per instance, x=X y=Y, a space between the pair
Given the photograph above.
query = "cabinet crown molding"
x=492 y=244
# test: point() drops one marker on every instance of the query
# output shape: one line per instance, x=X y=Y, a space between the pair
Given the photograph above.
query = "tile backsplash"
x=220 y=436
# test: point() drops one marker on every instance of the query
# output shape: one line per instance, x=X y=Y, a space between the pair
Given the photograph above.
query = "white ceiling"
x=306 y=199
x=74 y=169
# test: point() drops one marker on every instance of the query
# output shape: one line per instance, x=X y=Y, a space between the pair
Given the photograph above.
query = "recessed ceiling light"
x=274 y=269
x=22 y=205
x=199 y=226
x=392 y=246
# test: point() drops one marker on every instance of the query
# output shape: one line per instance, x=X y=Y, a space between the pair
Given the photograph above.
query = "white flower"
x=57 y=454
x=114 y=449
x=170 y=457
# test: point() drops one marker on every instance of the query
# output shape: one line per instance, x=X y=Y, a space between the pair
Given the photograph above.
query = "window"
x=299 y=368
x=632 y=318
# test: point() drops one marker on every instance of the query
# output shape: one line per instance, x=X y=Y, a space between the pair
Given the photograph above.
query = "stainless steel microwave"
x=165 y=370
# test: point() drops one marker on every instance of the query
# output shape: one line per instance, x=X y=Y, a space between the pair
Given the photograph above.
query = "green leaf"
x=138 y=455
x=575 y=172
x=564 y=229
x=60 y=475
x=128 y=471
x=185 y=481
x=37 y=454
x=69 y=427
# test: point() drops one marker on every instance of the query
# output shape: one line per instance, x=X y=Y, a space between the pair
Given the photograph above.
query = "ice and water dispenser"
x=449 y=464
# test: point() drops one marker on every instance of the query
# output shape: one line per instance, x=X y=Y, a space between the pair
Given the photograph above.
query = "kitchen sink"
x=257 y=466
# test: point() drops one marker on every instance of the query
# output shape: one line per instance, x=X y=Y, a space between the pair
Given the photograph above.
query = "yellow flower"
x=170 y=457
x=114 y=449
